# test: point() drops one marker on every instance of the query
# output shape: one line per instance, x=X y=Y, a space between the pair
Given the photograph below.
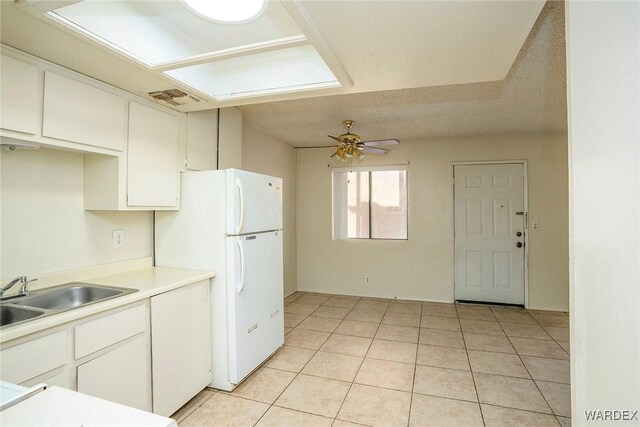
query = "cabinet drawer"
x=100 y=333
x=25 y=361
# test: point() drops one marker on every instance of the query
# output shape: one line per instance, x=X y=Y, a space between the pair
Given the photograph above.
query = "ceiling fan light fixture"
x=349 y=151
x=340 y=153
x=227 y=12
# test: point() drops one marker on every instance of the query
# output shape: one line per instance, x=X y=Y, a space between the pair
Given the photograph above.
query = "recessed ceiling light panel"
x=227 y=11
x=276 y=71
x=158 y=33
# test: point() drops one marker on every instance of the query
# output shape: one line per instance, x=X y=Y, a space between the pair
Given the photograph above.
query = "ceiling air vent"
x=174 y=98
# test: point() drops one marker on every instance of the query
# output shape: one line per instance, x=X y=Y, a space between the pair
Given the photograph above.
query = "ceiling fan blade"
x=379 y=142
x=318 y=146
x=334 y=137
x=374 y=150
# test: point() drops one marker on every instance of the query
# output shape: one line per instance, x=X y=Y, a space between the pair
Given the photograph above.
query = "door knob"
x=519 y=233
x=519 y=244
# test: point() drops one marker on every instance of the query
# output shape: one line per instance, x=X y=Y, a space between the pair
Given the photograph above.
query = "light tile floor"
x=351 y=361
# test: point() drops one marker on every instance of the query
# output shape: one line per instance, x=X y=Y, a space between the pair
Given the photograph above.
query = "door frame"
x=525 y=195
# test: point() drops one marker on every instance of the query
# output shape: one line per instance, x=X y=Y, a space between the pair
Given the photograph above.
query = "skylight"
x=158 y=33
x=235 y=11
x=277 y=71
x=266 y=53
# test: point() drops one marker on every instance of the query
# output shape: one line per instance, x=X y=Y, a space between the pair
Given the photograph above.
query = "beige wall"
x=603 y=58
x=422 y=267
x=44 y=226
x=261 y=153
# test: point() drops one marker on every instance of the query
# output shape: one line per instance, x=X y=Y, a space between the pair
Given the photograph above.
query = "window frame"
x=342 y=209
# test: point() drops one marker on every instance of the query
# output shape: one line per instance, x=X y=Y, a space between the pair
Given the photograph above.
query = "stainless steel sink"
x=10 y=314
x=69 y=296
x=56 y=300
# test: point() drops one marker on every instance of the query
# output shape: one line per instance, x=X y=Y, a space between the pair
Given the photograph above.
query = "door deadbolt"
x=519 y=233
x=519 y=244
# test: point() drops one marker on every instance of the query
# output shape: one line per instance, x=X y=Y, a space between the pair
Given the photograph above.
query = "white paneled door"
x=489 y=233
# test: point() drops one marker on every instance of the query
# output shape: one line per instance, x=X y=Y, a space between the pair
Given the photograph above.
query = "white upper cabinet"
x=153 y=178
x=202 y=140
x=78 y=112
x=146 y=175
x=19 y=93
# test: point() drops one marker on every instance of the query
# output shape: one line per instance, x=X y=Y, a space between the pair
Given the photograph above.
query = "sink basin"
x=10 y=315
x=70 y=296
x=47 y=302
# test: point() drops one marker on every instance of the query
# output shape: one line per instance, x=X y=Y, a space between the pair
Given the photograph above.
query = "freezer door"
x=254 y=202
x=255 y=293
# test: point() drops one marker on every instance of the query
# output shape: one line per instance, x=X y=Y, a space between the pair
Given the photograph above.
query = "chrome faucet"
x=23 y=287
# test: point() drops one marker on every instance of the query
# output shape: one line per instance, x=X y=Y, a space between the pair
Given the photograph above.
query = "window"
x=370 y=203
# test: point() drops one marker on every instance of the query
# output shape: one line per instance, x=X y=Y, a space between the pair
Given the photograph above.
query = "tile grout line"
x=296 y=375
x=379 y=326
x=415 y=366
x=534 y=381
x=528 y=372
x=189 y=413
x=318 y=350
x=473 y=378
x=364 y=357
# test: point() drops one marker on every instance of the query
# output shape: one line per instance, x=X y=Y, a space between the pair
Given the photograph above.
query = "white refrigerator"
x=230 y=221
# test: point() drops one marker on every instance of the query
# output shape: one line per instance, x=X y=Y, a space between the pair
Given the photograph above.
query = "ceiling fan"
x=350 y=145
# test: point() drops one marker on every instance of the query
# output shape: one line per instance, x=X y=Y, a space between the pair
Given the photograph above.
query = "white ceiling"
x=532 y=98
x=370 y=45
x=386 y=45
x=419 y=68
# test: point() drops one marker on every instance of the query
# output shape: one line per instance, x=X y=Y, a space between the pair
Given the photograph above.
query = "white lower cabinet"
x=59 y=377
x=109 y=355
x=121 y=375
x=113 y=357
x=181 y=346
x=35 y=358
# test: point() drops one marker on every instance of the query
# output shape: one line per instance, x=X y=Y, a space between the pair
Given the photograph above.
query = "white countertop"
x=61 y=407
x=149 y=281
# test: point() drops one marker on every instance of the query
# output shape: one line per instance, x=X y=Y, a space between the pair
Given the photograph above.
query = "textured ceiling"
x=532 y=98
x=370 y=45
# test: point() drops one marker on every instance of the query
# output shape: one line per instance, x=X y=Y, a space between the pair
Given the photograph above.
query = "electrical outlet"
x=117 y=237
x=367 y=280
x=536 y=225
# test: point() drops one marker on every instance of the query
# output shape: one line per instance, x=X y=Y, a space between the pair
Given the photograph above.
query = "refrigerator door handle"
x=242 y=268
x=241 y=223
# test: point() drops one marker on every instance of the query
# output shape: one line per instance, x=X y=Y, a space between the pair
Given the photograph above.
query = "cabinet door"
x=77 y=112
x=34 y=358
x=152 y=169
x=121 y=375
x=60 y=378
x=181 y=352
x=19 y=93
x=202 y=140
